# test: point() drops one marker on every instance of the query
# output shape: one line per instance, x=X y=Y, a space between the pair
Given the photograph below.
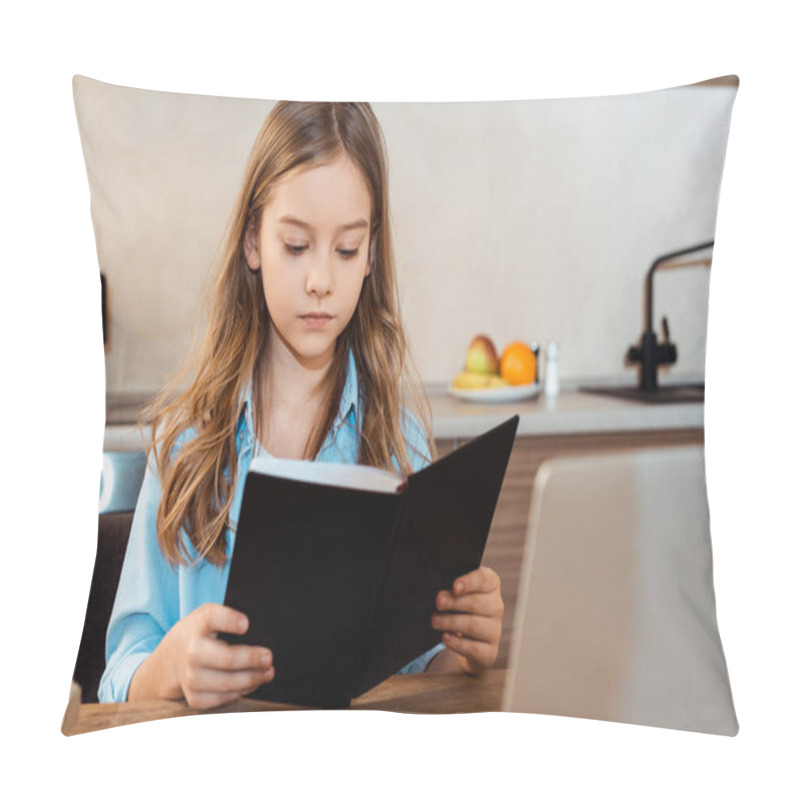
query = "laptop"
x=616 y=616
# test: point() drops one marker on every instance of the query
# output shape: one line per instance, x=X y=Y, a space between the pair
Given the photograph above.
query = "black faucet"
x=650 y=353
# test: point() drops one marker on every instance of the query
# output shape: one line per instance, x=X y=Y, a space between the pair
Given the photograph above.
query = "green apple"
x=482 y=356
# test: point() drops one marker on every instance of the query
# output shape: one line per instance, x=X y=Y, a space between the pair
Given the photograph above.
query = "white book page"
x=353 y=476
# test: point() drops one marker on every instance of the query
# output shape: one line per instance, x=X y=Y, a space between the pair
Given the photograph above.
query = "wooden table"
x=416 y=694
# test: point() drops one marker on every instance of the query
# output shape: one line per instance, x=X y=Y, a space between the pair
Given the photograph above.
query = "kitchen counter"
x=572 y=412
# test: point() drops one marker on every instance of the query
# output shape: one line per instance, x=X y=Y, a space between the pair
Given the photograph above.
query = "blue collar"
x=348 y=404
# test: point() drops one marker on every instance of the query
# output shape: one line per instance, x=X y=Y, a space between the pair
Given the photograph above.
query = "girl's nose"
x=319 y=280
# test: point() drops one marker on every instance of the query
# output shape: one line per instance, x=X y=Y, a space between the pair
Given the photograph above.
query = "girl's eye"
x=296 y=249
x=348 y=253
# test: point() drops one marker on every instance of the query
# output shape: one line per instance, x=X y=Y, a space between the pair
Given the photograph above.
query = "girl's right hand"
x=193 y=663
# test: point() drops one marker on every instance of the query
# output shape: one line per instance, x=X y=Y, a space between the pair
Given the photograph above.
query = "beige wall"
x=531 y=219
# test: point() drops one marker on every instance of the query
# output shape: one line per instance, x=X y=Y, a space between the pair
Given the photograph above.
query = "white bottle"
x=551 y=371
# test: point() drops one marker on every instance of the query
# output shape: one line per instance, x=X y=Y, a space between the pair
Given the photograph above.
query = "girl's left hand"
x=473 y=634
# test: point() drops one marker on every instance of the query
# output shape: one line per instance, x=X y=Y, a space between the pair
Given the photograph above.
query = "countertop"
x=572 y=412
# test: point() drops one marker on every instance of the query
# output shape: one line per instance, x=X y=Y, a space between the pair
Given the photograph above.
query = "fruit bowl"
x=499 y=394
x=485 y=378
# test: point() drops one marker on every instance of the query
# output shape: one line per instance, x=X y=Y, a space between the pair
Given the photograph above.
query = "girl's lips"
x=316 y=320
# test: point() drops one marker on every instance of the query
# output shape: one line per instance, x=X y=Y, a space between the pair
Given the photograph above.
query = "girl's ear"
x=250 y=247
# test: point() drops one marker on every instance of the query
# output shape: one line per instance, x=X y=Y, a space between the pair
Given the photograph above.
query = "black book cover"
x=341 y=583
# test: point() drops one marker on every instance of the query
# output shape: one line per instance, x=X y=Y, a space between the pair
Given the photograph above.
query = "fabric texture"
x=153 y=595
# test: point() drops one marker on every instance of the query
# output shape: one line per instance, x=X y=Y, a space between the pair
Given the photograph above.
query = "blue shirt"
x=153 y=594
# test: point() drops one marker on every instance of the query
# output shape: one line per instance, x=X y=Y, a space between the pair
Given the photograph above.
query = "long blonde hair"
x=198 y=472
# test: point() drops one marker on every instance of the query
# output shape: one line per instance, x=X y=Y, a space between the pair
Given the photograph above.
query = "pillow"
x=526 y=220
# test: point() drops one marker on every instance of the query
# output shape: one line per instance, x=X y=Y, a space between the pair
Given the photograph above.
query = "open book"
x=338 y=566
x=353 y=476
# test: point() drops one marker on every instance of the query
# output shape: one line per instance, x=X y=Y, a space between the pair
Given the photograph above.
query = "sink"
x=669 y=393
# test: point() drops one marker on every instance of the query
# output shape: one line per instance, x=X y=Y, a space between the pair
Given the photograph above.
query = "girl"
x=304 y=357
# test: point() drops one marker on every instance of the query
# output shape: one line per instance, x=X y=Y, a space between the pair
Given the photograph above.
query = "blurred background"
x=532 y=220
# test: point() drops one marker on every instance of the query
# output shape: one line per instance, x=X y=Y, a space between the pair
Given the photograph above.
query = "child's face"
x=313 y=252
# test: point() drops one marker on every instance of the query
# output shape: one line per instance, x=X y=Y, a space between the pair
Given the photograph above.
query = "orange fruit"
x=518 y=364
